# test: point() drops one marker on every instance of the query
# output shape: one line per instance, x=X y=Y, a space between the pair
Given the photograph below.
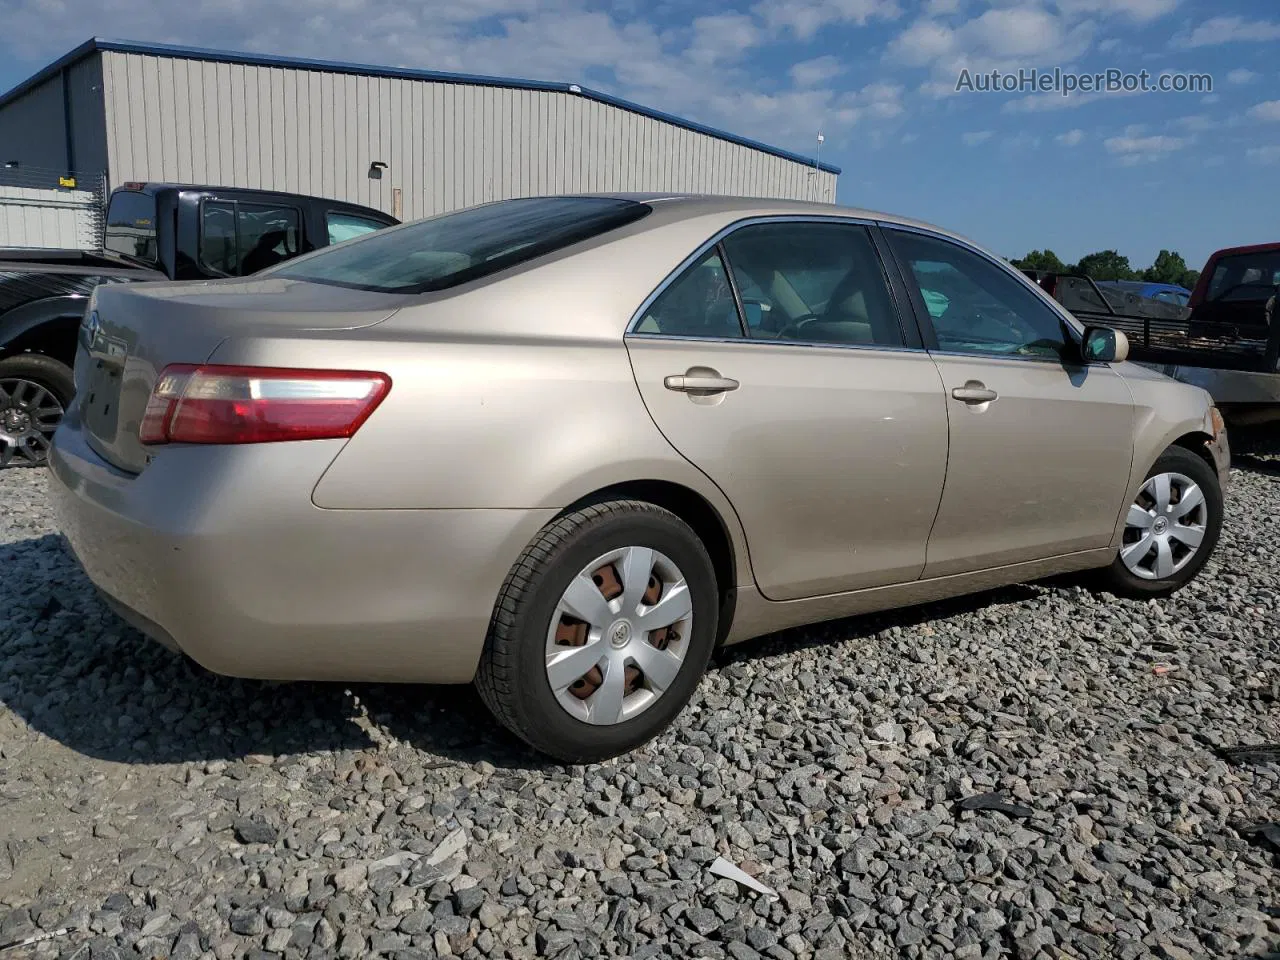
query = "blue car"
x=1164 y=292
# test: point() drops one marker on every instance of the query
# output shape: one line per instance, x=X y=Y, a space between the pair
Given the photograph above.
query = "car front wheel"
x=1170 y=529
x=601 y=632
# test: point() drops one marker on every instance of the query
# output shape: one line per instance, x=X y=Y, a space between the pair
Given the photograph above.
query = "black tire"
x=53 y=375
x=512 y=678
x=1123 y=582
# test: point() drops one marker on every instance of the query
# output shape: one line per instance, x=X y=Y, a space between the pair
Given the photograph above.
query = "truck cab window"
x=238 y=239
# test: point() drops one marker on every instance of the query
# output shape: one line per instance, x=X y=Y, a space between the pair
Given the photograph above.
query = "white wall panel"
x=447 y=145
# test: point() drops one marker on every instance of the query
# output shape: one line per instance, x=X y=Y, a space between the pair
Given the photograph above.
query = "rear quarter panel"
x=482 y=424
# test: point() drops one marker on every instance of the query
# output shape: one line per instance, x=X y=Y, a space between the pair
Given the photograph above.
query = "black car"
x=154 y=231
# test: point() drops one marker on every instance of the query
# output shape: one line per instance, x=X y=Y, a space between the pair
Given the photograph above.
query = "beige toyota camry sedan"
x=562 y=447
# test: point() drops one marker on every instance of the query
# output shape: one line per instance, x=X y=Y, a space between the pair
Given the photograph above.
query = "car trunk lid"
x=135 y=330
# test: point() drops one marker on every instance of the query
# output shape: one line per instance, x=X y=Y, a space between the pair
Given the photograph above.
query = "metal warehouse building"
x=409 y=142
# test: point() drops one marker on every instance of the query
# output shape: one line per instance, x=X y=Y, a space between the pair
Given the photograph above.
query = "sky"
x=1137 y=172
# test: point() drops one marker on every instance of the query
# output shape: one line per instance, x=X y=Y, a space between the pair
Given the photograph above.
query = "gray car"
x=563 y=447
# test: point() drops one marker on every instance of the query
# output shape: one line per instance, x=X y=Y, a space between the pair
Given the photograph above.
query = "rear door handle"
x=693 y=384
x=975 y=392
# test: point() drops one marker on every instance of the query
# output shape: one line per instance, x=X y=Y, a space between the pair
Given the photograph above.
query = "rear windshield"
x=459 y=247
x=131 y=226
x=1245 y=276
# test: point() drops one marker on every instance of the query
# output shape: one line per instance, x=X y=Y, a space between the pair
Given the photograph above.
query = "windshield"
x=455 y=248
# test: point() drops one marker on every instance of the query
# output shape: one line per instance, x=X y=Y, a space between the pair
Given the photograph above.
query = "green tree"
x=1041 y=260
x=1106 y=265
x=1190 y=279
x=1168 y=268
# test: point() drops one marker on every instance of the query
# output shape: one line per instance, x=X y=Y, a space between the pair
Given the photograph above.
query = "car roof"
x=681 y=206
x=1253 y=248
x=153 y=188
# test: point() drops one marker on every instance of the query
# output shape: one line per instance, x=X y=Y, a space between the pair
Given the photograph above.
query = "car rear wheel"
x=1170 y=529
x=601 y=632
x=34 y=393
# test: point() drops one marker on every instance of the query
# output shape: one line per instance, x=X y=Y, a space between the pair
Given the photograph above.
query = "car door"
x=775 y=361
x=1041 y=444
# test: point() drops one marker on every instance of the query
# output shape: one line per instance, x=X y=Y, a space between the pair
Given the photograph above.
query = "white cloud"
x=810 y=73
x=1072 y=138
x=1133 y=150
x=1196 y=123
x=1241 y=76
x=1218 y=30
x=973 y=138
x=941 y=8
x=1268 y=112
x=805 y=17
x=1001 y=38
x=1109 y=44
x=1264 y=155
x=1047 y=102
x=1139 y=10
x=724 y=37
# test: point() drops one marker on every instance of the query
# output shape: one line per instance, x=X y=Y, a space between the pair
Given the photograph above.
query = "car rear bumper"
x=220 y=552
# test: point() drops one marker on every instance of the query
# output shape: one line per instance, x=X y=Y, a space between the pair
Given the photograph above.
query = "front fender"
x=1166 y=412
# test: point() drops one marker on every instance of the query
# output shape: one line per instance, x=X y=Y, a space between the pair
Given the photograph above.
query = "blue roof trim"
x=401 y=73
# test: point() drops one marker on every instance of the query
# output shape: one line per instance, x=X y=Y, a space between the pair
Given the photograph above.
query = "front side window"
x=347 y=226
x=131 y=226
x=976 y=307
x=813 y=283
x=458 y=247
x=698 y=303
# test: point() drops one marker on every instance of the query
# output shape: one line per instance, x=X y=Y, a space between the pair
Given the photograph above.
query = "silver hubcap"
x=619 y=635
x=29 y=414
x=1165 y=526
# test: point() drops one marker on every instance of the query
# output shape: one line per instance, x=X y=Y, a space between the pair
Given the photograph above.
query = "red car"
x=1236 y=290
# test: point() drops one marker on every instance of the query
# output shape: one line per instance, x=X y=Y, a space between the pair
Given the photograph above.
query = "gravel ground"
x=162 y=811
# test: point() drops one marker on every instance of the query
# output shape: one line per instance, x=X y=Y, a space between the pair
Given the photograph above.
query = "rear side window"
x=237 y=239
x=131 y=226
x=456 y=248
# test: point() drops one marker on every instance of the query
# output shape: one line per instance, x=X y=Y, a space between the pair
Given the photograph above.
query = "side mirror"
x=1104 y=345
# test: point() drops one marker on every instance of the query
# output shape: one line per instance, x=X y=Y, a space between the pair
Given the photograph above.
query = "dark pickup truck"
x=1226 y=340
x=154 y=231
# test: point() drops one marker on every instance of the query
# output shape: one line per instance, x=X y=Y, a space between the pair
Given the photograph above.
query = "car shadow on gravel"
x=1257 y=450
x=75 y=673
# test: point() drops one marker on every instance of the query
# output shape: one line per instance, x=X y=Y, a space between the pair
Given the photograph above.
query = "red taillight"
x=219 y=404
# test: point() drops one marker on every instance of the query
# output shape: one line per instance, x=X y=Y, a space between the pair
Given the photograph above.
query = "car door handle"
x=684 y=383
x=975 y=392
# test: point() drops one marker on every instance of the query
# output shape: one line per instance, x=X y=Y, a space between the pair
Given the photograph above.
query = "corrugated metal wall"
x=32 y=131
x=50 y=219
x=33 y=128
x=446 y=145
